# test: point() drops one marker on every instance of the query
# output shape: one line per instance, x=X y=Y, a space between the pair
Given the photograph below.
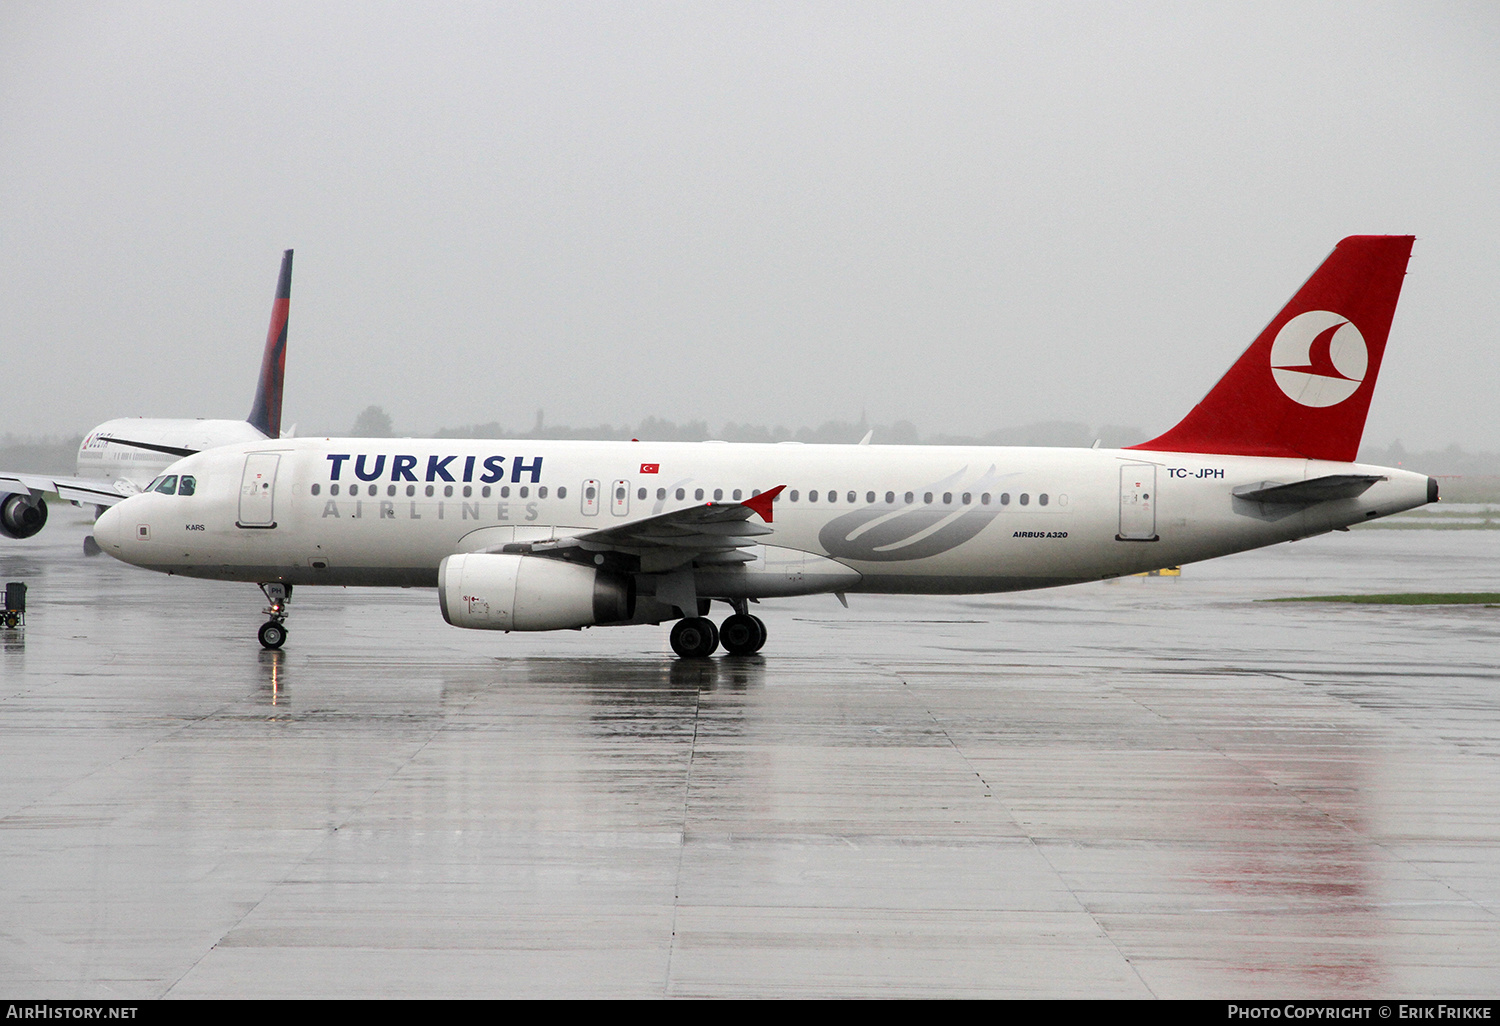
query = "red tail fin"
x=265 y=412
x=1303 y=388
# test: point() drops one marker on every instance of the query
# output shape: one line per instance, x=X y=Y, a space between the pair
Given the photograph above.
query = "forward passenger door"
x=258 y=490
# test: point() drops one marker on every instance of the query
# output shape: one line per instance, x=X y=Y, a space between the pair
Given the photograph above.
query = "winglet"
x=265 y=412
x=762 y=503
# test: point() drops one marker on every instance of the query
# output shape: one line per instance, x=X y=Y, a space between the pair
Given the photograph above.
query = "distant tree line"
x=901 y=432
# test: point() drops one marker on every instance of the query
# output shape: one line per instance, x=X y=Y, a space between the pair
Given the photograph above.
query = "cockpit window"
x=152 y=486
x=187 y=485
x=168 y=485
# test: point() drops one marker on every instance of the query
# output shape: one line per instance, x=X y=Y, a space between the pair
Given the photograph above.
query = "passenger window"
x=794 y=494
x=947 y=498
x=698 y=495
x=187 y=486
x=661 y=493
x=333 y=489
x=317 y=489
x=447 y=491
x=541 y=493
x=909 y=497
x=429 y=491
x=410 y=491
x=485 y=492
x=812 y=496
x=525 y=491
x=1005 y=498
x=168 y=485
x=718 y=494
x=1042 y=499
x=890 y=498
x=681 y=494
x=927 y=498
x=391 y=490
x=984 y=500
x=968 y=498
x=640 y=493
x=468 y=491
x=562 y=491
x=737 y=494
x=1025 y=498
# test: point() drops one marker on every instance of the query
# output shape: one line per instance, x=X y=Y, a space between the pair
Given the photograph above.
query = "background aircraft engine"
x=529 y=593
x=20 y=517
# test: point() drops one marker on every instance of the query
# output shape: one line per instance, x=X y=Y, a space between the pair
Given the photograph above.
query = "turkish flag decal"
x=650 y=468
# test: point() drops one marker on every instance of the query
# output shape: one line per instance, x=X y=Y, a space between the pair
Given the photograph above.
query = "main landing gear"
x=273 y=631
x=696 y=637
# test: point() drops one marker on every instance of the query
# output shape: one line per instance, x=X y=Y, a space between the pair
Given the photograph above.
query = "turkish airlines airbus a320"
x=537 y=536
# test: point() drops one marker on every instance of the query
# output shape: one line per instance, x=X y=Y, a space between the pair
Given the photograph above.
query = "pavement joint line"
x=687 y=795
x=326 y=834
x=1031 y=841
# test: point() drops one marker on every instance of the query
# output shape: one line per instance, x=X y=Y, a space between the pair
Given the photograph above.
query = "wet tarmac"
x=1154 y=787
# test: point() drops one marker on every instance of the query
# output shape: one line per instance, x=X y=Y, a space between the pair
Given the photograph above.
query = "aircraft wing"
x=711 y=533
x=86 y=491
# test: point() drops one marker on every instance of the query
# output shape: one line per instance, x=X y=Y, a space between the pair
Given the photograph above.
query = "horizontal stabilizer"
x=1305 y=493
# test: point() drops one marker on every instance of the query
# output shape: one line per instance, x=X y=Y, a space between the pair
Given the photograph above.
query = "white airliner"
x=119 y=457
x=535 y=536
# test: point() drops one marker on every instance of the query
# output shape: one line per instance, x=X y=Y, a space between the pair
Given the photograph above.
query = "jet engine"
x=502 y=592
x=20 y=516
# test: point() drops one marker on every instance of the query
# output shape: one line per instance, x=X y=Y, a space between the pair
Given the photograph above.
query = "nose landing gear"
x=273 y=631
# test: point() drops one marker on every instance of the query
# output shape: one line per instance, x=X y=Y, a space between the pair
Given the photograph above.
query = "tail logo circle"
x=1319 y=358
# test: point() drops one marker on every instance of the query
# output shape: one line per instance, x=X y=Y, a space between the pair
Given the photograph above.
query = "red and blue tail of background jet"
x=265 y=412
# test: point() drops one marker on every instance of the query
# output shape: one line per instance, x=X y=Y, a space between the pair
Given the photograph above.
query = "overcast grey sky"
x=965 y=215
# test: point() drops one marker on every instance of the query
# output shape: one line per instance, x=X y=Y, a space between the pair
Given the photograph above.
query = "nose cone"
x=110 y=531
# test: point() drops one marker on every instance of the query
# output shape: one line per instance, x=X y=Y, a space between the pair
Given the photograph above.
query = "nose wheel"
x=273 y=632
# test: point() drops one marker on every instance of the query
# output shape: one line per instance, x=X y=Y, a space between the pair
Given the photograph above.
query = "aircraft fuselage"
x=908 y=519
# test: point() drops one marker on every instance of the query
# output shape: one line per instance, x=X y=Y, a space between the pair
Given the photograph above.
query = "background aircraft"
x=119 y=457
x=535 y=535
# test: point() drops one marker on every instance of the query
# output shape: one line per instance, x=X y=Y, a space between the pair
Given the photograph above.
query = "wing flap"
x=71 y=489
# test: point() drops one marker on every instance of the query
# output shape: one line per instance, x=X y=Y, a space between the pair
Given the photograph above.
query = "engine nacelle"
x=502 y=592
x=20 y=517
